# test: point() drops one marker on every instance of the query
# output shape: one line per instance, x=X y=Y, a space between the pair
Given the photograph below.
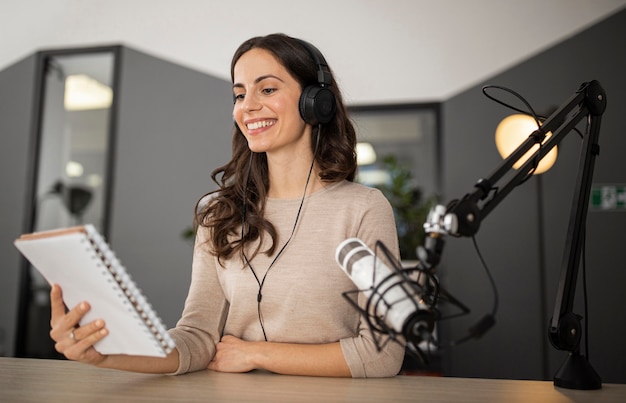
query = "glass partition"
x=71 y=168
x=410 y=133
x=398 y=151
x=74 y=140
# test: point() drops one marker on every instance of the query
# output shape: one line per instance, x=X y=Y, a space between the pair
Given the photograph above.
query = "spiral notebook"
x=82 y=263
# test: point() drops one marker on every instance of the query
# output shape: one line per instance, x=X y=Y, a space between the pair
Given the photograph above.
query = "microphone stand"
x=463 y=218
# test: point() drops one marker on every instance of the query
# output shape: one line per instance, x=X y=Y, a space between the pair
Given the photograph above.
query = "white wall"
x=382 y=51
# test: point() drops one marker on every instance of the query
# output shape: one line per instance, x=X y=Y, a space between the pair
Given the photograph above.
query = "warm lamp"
x=513 y=131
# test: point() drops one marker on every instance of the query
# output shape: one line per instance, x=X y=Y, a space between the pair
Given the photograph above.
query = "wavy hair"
x=243 y=182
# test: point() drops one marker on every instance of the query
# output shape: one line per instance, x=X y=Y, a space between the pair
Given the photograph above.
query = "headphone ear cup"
x=317 y=105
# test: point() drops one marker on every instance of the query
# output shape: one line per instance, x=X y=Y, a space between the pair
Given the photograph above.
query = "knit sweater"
x=302 y=298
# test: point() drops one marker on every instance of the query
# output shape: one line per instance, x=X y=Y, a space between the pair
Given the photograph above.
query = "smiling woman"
x=266 y=108
x=266 y=291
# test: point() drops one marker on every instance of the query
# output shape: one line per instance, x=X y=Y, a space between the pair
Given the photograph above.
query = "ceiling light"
x=83 y=92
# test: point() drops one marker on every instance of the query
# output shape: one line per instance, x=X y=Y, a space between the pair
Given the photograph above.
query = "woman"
x=266 y=292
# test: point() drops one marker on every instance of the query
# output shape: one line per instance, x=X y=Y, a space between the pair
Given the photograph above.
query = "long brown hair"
x=244 y=181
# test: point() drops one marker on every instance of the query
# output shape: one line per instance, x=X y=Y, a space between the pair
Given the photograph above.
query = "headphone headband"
x=317 y=102
x=324 y=78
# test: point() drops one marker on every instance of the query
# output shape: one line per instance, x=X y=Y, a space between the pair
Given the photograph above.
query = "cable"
x=585 y=301
x=530 y=111
x=261 y=282
x=584 y=261
x=487 y=321
x=496 y=298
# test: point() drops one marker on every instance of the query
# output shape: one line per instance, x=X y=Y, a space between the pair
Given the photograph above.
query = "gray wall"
x=174 y=128
x=16 y=99
x=509 y=238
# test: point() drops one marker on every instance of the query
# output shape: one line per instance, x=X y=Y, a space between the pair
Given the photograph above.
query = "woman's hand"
x=236 y=355
x=233 y=355
x=74 y=342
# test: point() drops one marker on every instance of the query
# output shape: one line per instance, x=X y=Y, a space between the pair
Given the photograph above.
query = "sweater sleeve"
x=361 y=353
x=200 y=326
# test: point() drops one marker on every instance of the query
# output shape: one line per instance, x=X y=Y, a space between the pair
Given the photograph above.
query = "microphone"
x=397 y=304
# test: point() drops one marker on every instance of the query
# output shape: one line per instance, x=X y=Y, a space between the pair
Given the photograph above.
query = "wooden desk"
x=33 y=380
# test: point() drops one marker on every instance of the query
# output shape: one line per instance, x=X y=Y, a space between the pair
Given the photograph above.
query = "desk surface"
x=34 y=380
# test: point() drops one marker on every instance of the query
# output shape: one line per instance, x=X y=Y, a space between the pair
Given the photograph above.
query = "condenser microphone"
x=394 y=299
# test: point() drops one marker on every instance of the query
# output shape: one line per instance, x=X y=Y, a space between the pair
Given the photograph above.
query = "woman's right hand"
x=73 y=341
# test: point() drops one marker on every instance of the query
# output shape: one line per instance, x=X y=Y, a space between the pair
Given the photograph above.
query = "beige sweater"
x=302 y=293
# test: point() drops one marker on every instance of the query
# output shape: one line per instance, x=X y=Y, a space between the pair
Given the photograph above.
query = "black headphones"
x=317 y=102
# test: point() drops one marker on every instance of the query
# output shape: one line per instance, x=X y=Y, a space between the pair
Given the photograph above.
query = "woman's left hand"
x=233 y=355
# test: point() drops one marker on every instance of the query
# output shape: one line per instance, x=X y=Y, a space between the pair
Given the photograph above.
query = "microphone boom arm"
x=463 y=218
x=589 y=100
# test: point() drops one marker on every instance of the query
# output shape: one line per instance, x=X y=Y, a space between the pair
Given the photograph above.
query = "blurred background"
x=115 y=113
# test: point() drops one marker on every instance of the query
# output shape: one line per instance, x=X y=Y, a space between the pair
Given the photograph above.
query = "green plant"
x=409 y=206
x=188 y=234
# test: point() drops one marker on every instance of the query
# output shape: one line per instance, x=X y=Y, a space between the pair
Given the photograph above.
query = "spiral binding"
x=134 y=295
